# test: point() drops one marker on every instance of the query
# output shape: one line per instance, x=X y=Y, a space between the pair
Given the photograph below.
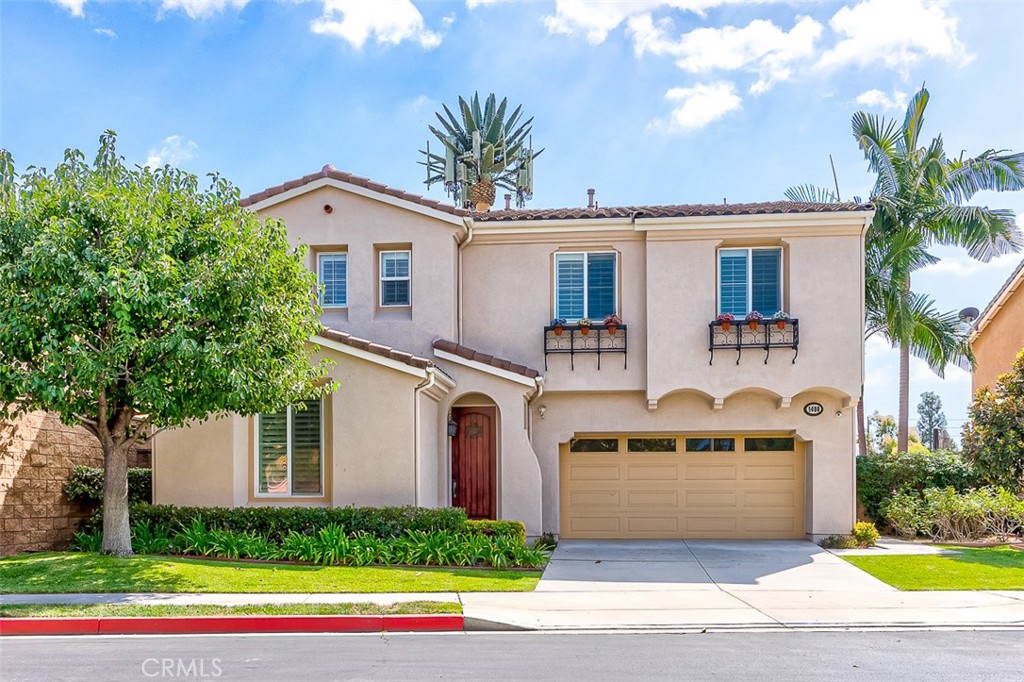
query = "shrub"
x=499 y=528
x=147 y=540
x=881 y=476
x=88 y=541
x=1005 y=513
x=85 y=485
x=953 y=516
x=838 y=542
x=546 y=542
x=865 y=534
x=275 y=523
x=994 y=434
x=905 y=513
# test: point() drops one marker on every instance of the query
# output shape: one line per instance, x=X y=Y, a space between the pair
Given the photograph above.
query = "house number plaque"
x=813 y=409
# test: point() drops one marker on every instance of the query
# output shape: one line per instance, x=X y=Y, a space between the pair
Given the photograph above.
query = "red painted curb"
x=228 y=624
x=49 y=626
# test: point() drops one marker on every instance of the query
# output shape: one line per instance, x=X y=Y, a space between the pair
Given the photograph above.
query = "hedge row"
x=882 y=476
x=276 y=523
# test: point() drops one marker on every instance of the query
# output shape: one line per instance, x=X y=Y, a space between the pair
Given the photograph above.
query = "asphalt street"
x=836 y=656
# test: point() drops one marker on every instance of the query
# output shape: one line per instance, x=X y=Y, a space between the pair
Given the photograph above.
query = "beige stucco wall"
x=193 y=465
x=998 y=344
x=830 y=507
x=358 y=225
x=370 y=453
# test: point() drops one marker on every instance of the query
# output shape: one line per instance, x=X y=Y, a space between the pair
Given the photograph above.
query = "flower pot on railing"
x=612 y=322
x=726 y=320
x=559 y=325
x=781 y=318
x=584 y=324
x=753 y=319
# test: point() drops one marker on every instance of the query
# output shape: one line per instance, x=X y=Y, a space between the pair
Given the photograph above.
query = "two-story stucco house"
x=998 y=334
x=455 y=388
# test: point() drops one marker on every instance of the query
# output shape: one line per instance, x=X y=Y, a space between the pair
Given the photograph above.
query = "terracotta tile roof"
x=477 y=356
x=330 y=171
x=375 y=348
x=676 y=211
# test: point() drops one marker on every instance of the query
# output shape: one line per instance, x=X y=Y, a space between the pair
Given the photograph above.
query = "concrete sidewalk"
x=648 y=609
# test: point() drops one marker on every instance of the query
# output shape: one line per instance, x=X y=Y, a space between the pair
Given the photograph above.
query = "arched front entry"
x=475 y=460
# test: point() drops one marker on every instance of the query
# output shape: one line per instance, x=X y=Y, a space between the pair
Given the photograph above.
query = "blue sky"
x=648 y=102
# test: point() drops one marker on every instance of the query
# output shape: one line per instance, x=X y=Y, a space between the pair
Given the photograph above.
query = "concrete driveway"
x=673 y=565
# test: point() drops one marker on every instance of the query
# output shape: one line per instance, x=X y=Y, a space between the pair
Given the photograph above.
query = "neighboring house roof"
x=1013 y=282
x=675 y=211
x=376 y=348
x=331 y=172
x=483 y=358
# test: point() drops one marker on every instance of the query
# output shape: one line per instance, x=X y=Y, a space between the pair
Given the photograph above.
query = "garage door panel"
x=652 y=498
x=711 y=498
x=603 y=499
x=594 y=472
x=757 y=495
x=652 y=472
x=712 y=472
x=658 y=525
x=769 y=472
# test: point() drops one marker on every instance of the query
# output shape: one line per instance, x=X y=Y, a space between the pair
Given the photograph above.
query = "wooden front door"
x=474 y=462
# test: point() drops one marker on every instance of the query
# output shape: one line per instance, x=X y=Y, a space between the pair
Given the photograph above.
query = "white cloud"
x=597 y=18
x=173 y=150
x=201 y=9
x=962 y=265
x=698 y=106
x=760 y=46
x=76 y=7
x=448 y=19
x=388 y=21
x=897 y=101
x=473 y=4
x=897 y=33
x=106 y=32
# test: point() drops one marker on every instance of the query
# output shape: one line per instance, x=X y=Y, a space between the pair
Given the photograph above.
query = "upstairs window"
x=289 y=452
x=332 y=272
x=395 y=279
x=750 y=279
x=585 y=285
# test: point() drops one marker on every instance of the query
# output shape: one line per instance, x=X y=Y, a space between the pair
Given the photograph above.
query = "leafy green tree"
x=930 y=417
x=993 y=438
x=920 y=196
x=132 y=300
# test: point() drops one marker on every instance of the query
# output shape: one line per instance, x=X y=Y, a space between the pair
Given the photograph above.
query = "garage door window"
x=710 y=444
x=651 y=444
x=768 y=444
x=594 y=445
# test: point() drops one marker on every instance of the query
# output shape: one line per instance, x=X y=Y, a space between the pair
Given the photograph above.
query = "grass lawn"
x=62 y=572
x=161 y=610
x=989 y=568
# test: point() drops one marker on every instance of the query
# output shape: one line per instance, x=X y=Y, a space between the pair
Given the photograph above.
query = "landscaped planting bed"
x=335 y=537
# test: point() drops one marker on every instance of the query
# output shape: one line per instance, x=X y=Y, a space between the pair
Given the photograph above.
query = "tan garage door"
x=686 y=486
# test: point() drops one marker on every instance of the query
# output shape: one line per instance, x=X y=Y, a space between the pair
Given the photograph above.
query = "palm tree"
x=482 y=150
x=919 y=196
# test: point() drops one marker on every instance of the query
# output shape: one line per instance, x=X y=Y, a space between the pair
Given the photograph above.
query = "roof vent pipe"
x=508 y=201
x=590 y=199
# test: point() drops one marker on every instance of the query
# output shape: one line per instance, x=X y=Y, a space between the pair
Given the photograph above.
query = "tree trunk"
x=117 y=536
x=903 y=422
x=862 y=432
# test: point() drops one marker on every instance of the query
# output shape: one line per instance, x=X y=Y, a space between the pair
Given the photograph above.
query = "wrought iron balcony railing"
x=765 y=335
x=573 y=339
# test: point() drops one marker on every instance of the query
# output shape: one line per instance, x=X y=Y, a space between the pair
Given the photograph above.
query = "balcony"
x=572 y=339
x=766 y=335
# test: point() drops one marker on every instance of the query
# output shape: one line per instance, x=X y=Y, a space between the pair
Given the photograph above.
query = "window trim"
x=586 y=289
x=381 y=278
x=319 y=281
x=289 y=446
x=750 y=278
